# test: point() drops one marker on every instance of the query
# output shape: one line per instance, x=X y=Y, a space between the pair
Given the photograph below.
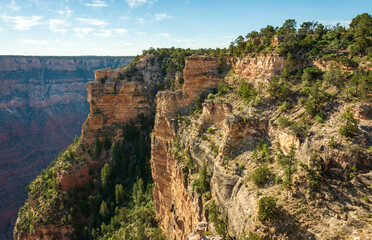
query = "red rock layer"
x=42 y=107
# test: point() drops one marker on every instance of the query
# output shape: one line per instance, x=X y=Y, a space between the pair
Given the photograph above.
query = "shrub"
x=319 y=118
x=279 y=89
x=261 y=153
x=217 y=218
x=332 y=143
x=246 y=90
x=261 y=175
x=222 y=89
x=210 y=96
x=284 y=107
x=97 y=148
x=210 y=130
x=351 y=124
x=267 y=208
x=309 y=74
x=103 y=79
x=201 y=184
x=283 y=122
x=250 y=236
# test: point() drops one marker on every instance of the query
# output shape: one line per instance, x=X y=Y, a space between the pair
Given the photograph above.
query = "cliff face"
x=42 y=107
x=228 y=136
x=176 y=211
x=116 y=97
x=224 y=137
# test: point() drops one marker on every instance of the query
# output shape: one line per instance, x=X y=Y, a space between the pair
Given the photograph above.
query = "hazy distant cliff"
x=42 y=106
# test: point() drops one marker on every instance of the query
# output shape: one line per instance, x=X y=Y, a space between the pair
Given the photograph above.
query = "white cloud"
x=96 y=3
x=161 y=16
x=92 y=21
x=13 y=6
x=82 y=32
x=103 y=33
x=163 y=34
x=140 y=33
x=23 y=23
x=121 y=30
x=58 y=25
x=32 y=42
x=124 y=18
x=124 y=43
x=65 y=12
x=136 y=3
x=140 y=20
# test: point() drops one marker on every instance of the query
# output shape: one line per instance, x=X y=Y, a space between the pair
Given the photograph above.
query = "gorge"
x=267 y=139
x=42 y=107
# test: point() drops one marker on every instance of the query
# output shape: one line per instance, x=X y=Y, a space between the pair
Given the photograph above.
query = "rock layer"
x=42 y=107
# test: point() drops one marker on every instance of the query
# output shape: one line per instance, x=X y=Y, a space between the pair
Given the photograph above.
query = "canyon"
x=42 y=107
x=206 y=124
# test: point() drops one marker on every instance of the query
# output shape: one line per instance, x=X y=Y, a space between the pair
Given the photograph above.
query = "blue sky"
x=125 y=27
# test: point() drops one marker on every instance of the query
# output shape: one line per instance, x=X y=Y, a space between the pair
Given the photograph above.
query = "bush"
x=319 y=118
x=222 y=89
x=246 y=90
x=261 y=175
x=284 y=107
x=283 y=122
x=250 y=236
x=201 y=184
x=210 y=96
x=267 y=208
x=351 y=124
x=279 y=89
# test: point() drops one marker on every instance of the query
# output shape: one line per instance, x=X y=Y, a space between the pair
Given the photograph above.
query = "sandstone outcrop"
x=42 y=107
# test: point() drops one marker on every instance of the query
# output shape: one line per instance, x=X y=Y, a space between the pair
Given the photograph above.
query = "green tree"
x=246 y=90
x=350 y=128
x=106 y=177
x=97 y=148
x=104 y=211
x=361 y=29
x=261 y=175
x=119 y=194
x=76 y=140
x=138 y=192
x=267 y=208
x=279 y=88
x=288 y=163
x=201 y=184
x=107 y=144
x=288 y=28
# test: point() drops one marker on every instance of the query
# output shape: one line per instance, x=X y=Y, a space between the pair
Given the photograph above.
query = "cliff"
x=120 y=101
x=42 y=107
x=244 y=148
x=224 y=137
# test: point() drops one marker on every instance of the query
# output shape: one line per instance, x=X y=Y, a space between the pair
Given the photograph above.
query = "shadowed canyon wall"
x=42 y=107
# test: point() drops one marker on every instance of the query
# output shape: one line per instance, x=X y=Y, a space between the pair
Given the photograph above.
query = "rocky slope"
x=218 y=124
x=42 y=107
x=118 y=98
x=224 y=137
x=264 y=140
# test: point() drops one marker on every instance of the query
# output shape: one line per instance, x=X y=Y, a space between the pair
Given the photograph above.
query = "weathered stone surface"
x=42 y=107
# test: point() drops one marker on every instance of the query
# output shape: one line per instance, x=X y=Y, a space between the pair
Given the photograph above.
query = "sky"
x=126 y=27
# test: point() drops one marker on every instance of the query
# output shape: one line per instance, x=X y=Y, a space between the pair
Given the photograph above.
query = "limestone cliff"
x=224 y=137
x=116 y=97
x=42 y=107
x=220 y=145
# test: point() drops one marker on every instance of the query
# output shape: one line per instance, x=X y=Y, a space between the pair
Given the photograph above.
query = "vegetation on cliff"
x=259 y=154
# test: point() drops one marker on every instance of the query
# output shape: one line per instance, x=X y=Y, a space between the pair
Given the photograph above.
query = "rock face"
x=221 y=134
x=42 y=107
x=176 y=211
